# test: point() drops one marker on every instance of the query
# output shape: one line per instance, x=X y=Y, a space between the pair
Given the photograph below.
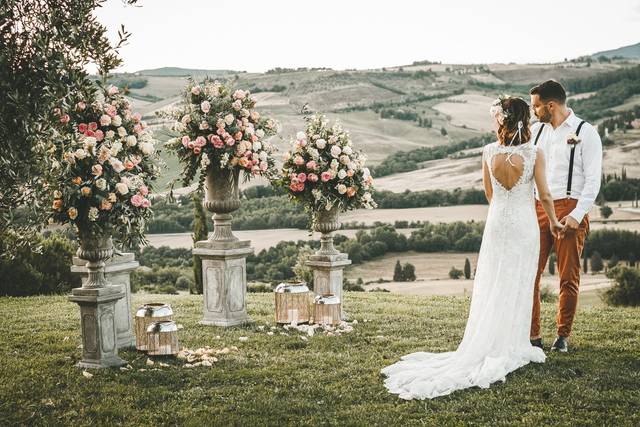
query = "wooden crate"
x=147 y=314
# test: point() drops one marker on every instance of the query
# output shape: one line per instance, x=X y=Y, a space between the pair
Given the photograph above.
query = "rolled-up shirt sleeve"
x=592 y=170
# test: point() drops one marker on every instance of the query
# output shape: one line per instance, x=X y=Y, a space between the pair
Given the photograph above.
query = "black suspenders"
x=573 y=154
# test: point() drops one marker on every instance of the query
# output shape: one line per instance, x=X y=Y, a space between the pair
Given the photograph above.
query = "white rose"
x=335 y=151
x=80 y=154
x=131 y=141
x=334 y=164
x=115 y=148
x=116 y=164
x=93 y=214
x=301 y=135
x=366 y=173
x=122 y=132
x=342 y=174
x=260 y=133
x=116 y=121
x=229 y=119
x=122 y=188
x=263 y=156
x=205 y=106
x=366 y=197
x=344 y=159
x=110 y=134
x=147 y=148
x=342 y=188
x=101 y=183
x=237 y=105
x=347 y=150
x=257 y=146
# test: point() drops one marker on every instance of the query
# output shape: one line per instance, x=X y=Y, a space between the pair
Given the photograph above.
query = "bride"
x=496 y=338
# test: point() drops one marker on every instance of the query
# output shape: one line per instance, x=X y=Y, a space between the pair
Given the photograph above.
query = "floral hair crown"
x=497 y=110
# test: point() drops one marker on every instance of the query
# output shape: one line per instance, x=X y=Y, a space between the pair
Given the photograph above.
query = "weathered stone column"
x=328 y=263
x=117 y=271
x=97 y=300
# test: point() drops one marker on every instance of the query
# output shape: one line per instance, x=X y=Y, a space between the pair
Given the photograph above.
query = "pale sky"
x=256 y=35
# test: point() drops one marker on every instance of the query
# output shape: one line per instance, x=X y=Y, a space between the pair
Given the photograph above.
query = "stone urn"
x=222 y=198
x=97 y=300
x=326 y=222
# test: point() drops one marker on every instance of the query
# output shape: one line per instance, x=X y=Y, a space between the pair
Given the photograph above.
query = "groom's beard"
x=545 y=116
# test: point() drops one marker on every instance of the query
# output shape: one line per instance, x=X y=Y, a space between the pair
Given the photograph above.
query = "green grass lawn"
x=275 y=380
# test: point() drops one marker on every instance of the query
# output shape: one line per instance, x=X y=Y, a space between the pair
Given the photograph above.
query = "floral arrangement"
x=105 y=162
x=323 y=171
x=219 y=127
x=573 y=139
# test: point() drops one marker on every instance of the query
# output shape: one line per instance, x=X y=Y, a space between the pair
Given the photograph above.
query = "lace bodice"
x=523 y=189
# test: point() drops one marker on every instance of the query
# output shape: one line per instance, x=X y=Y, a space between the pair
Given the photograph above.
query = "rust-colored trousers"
x=569 y=251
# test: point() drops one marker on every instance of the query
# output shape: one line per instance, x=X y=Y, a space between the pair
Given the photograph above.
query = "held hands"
x=569 y=223
x=557 y=230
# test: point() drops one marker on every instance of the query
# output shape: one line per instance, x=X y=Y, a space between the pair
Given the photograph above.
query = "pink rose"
x=221 y=131
x=205 y=106
x=195 y=90
x=302 y=177
x=82 y=127
x=325 y=176
x=81 y=105
x=128 y=165
x=264 y=166
x=293 y=187
x=96 y=170
x=300 y=186
x=312 y=177
x=144 y=190
x=89 y=133
x=238 y=136
x=230 y=141
x=298 y=160
x=112 y=90
x=216 y=141
x=136 y=117
x=93 y=126
x=65 y=119
x=191 y=145
x=196 y=150
x=137 y=128
x=137 y=200
x=99 y=135
x=146 y=203
x=311 y=165
x=105 y=120
x=200 y=141
x=185 y=141
x=111 y=111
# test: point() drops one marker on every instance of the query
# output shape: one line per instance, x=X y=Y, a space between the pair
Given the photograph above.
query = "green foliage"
x=303 y=272
x=612 y=241
x=397 y=272
x=605 y=211
x=455 y=273
x=157 y=278
x=547 y=295
x=613 y=261
x=408 y=272
x=626 y=289
x=200 y=232
x=165 y=256
x=44 y=272
x=45 y=48
x=596 y=262
x=552 y=264
x=350 y=286
x=405 y=161
x=429 y=198
x=467 y=269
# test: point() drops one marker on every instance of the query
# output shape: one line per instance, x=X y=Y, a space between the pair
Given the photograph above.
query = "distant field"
x=470 y=110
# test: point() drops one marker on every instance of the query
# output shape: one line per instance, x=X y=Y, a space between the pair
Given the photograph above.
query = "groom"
x=573 y=154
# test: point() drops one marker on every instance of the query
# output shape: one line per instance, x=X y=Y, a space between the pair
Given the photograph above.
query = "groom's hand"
x=569 y=223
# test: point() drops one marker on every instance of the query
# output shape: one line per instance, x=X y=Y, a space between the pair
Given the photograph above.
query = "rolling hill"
x=628 y=52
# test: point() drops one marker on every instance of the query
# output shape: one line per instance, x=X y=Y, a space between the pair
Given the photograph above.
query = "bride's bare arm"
x=486 y=181
x=545 y=194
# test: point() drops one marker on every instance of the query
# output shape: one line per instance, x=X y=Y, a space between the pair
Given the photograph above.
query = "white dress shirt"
x=587 y=163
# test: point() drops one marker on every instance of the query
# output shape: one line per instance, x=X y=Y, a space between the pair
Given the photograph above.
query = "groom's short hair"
x=550 y=90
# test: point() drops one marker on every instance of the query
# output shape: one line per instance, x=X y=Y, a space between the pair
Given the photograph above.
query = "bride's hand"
x=557 y=230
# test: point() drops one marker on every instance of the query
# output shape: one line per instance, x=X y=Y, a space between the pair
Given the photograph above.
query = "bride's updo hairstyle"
x=514 y=110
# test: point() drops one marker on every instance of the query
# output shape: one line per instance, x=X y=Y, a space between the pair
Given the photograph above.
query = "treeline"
x=597 y=106
x=429 y=198
x=622 y=121
x=602 y=80
x=615 y=189
x=128 y=81
x=405 y=161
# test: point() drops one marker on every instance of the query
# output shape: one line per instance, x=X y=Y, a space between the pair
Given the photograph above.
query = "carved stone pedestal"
x=224 y=281
x=97 y=316
x=328 y=275
x=117 y=272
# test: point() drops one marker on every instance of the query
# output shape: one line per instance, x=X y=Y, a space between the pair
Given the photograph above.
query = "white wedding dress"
x=496 y=338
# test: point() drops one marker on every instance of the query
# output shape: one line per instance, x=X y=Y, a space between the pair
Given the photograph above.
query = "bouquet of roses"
x=323 y=171
x=105 y=163
x=219 y=127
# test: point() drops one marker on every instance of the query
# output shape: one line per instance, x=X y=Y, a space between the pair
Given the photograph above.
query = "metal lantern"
x=326 y=310
x=162 y=338
x=147 y=314
x=292 y=303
